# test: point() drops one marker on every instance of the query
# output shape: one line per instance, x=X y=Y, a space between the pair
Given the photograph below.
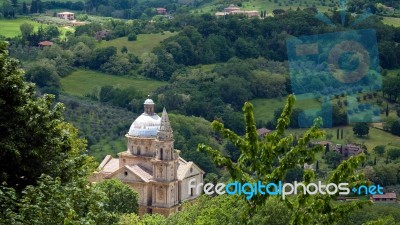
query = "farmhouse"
x=45 y=44
x=348 y=150
x=162 y=11
x=66 y=15
x=234 y=10
x=387 y=198
x=262 y=132
x=152 y=166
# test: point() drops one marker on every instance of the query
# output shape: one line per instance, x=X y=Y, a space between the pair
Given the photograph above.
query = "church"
x=151 y=165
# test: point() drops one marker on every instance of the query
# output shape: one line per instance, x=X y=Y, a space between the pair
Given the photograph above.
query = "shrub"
x=132 y=37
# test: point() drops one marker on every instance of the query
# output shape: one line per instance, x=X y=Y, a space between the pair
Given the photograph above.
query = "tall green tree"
x=121 y=198
x=361 y=129
x=34 y=140
x=43 y=165
x=257 y=158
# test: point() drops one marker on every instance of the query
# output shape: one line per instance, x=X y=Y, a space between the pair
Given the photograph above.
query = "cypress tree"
x=387 y=110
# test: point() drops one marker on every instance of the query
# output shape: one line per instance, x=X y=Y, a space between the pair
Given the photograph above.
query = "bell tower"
x=165 y=167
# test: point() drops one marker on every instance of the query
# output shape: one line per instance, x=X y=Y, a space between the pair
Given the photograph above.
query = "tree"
x=379 y=149
x=387 y=110
x=333 y=158
x=25 y=10
x=254 y=164
x=337 y=133
x=26 y=30
x=361 y=129
x=132 y=37
x=43 y=168
x=395 y=128
x=120 y=197
x=393 y=153
x=44 y=74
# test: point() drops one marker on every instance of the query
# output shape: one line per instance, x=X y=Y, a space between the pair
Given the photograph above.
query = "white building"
x=151 y=165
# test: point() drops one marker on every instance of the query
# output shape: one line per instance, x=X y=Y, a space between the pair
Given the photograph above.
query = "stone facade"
x=151 y=165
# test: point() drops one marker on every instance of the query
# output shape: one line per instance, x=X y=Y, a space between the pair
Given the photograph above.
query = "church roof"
x=184 y=168
x=109 y=164
x=146 y=125
x=141 y=172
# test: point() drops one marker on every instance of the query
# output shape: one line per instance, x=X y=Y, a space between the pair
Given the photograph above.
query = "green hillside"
x=82 y=82
x=144 y=43
x=10 y=27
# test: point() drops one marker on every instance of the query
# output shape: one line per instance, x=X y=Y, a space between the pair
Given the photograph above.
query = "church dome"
x=149 y=102
x=147 y=124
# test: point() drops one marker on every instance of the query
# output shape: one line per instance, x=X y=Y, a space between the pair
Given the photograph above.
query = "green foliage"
x=376 y=214
x=361 y=129
x=333 y=158
x=256 y=163
x=34 y=138
x=43 y=168
x=121 y=198
x=132 y=37
x=394 y=153
x=379 y=149
x=44 y=74
x=52 y=202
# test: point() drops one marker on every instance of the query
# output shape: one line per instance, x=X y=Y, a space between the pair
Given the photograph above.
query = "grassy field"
x=267 y=5
x=391 y=21
x=10 y=27
x=264 y=108
x=144 y=43
x=82 y=82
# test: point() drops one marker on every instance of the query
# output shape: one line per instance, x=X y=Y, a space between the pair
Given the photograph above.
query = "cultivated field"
x=10 y=27
x=392 y=21
x=82 y=82
x=144 y=43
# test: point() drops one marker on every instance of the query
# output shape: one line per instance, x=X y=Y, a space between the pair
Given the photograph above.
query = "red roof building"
x=45 y=44
x=386 y=198
x=161 y=11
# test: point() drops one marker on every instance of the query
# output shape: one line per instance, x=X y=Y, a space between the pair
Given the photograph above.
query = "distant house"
x=262 y=132
x=231 y=8
x=162 y=11
x=234 y=10
x=251 y=13
x=66 y=15
x=387 y=198
x=45 y=44
x=100 y=35
x=348 y=150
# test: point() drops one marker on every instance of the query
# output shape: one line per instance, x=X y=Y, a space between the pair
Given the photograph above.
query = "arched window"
x=161 y=153
x=138 y=150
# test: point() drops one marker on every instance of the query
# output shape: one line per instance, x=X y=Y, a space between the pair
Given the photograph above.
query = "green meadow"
x=391 y=21
x=267 y=5
x=10 y=27
x=144 y=43
x=82 y=82
x=264 y=108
